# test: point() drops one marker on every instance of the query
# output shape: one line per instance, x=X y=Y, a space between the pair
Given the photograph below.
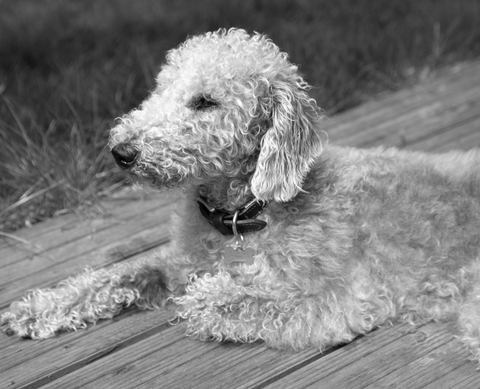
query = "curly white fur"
x=355 y=238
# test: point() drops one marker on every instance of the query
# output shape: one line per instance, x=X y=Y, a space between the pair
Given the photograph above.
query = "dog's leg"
x=222 y=308
x=469 y=317
x=88 y=297
x=469 y=325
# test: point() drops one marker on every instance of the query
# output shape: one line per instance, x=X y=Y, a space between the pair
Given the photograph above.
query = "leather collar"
x=240 y=221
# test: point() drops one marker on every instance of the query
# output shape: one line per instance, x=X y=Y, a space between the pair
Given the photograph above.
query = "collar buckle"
x=238 y=222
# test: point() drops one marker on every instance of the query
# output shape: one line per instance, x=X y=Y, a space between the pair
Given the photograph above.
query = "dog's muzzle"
x=125 y=155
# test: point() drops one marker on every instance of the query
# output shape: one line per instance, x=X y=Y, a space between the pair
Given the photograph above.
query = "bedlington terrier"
x=277 y=235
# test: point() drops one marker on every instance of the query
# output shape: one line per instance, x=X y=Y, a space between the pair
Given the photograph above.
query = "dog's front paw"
x=39 y=315
x=21 y=326
x=23 y=321
x=217 y=308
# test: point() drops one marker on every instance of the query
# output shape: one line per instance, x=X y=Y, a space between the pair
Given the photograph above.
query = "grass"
x=69 y=68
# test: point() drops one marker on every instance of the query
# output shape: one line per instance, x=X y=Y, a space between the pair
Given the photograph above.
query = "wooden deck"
x=141 y=349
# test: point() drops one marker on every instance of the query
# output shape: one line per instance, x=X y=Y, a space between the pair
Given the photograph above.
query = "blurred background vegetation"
x=69 y=68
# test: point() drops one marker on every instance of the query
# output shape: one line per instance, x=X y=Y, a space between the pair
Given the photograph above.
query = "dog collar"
x=240 y=221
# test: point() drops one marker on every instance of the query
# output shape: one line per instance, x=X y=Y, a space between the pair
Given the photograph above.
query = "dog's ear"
x=290 y=145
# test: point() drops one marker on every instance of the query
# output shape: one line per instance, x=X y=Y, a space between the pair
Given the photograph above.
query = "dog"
x=277 y=235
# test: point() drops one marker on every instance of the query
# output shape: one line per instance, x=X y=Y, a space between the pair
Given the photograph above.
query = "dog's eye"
x=200 y=103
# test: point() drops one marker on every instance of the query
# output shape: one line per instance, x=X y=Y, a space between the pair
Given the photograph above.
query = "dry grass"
x=68 y=68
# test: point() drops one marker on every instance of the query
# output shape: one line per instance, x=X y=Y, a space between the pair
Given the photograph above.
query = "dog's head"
x=226 y=104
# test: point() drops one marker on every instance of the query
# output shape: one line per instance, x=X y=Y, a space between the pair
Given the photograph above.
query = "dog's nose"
x=125 y=155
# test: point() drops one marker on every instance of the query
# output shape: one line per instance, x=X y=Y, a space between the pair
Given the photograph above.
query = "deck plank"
x=419 y=112
x=94 y=243
x=463 y=136
x=42 y=362
x=142 y=350
x=184 y=364
x=378 y=112
x=69 y=228
x=397 y=357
